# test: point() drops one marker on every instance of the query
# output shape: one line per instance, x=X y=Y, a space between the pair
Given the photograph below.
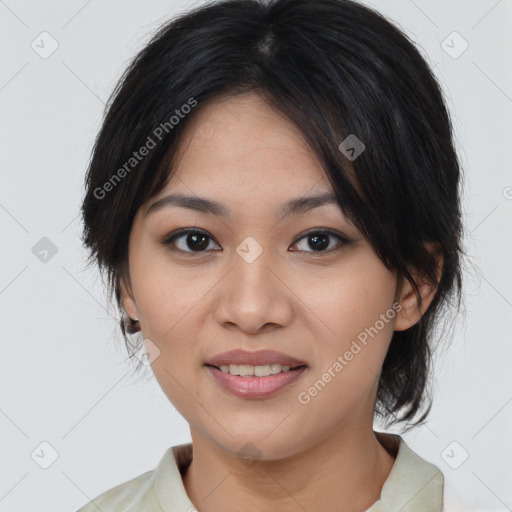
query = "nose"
x=254 y=296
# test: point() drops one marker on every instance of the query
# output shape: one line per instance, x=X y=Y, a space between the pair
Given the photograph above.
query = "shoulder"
x=155 y=490
x=134 y=494
x=413 y=485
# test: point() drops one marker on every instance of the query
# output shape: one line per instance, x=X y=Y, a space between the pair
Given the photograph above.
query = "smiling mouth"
x=267 y=370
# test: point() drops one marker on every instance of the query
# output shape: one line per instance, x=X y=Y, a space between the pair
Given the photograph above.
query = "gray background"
x=64 y=375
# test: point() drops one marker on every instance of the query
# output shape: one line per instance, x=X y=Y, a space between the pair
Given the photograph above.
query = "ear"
x=411 y=311
x=127 y=299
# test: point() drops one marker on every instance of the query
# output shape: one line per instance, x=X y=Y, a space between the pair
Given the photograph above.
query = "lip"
x=254 y=358
x=255 y=387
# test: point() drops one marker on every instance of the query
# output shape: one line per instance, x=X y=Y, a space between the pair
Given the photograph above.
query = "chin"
x=251 y=448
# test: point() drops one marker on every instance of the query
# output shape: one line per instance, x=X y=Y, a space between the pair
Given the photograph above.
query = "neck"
x=344 y=472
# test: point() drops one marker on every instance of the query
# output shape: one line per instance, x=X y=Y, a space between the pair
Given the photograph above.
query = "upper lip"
x=254 y=358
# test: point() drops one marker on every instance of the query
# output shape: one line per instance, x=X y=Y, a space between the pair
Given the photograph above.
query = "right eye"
x=192 y=240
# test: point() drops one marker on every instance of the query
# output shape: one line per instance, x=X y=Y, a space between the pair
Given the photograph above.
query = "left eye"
x=319 y=240
x=197 y=241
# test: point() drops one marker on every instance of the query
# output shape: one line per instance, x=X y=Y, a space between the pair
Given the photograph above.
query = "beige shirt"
x=413 y=485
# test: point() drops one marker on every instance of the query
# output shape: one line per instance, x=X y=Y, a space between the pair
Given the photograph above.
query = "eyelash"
x=169 y=239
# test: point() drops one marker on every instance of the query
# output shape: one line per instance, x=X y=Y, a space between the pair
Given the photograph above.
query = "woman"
x=274 y=198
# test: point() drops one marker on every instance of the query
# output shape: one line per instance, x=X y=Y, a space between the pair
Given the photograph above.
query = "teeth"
x=245 y=370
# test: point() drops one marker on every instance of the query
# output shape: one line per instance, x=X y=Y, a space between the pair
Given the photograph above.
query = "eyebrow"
x=209 y=206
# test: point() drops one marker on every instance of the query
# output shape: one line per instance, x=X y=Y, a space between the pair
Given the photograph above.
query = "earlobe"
x=411 y=310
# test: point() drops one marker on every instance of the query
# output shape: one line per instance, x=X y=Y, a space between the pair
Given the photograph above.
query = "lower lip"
x=255 y=387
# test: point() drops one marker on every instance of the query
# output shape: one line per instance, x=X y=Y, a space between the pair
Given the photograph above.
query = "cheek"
x=166 y=294
x=351 y=353
x=170 y=306
x=355 y=307
x=352 y=298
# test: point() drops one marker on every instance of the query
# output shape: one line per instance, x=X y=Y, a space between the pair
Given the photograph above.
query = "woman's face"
x=255 y=278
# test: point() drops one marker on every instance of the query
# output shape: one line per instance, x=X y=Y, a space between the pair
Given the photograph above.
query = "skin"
x=195 y=305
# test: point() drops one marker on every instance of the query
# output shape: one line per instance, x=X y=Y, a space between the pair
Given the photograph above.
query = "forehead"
x=242 y=143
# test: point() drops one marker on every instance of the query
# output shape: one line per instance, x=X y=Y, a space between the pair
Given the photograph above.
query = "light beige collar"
x=413 y=485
